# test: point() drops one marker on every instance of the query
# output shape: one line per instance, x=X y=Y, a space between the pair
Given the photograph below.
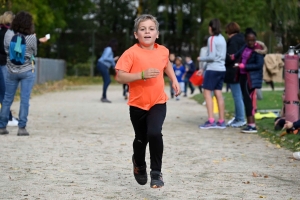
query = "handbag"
x=196 y=79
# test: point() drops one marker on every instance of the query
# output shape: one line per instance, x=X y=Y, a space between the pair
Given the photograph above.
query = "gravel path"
x=80 y=148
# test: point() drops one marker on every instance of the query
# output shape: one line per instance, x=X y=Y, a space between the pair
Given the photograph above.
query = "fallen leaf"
x=266 y=176
x=255 y=174
x=247 y=182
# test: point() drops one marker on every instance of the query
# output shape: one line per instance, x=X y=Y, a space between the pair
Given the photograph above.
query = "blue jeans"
x=238 y=101
x=3 y=77
x=104 y=71
x=26 y=79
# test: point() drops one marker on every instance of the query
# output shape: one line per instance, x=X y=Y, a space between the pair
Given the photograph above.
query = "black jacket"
x=234 y=44
x=3 y=55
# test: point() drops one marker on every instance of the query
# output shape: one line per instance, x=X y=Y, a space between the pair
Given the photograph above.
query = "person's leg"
x=27 y=82
x=5 y=73
x=138 y=119
x=247 y=93
x=155 y=120
x=191 y=87
x=209 y=103
x=220 y=101
x=171 y=89
x=2 y=85
x=104 y=71
x=10 y=91
x=238 y=101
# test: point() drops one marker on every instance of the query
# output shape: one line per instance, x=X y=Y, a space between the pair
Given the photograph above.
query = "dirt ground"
x=80 y=148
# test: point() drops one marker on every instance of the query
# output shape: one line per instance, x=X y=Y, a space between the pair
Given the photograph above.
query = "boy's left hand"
x=176 y=87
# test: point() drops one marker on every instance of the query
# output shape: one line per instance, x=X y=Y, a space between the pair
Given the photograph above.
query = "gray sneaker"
x=230 y=121
x=156 y=179
x=238 y=124
x=23 y=132
x=3 y=131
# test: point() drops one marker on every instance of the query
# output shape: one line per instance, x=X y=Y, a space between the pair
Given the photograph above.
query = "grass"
x=271 y=100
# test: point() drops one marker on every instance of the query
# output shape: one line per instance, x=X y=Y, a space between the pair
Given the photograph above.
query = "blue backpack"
x=17 y=49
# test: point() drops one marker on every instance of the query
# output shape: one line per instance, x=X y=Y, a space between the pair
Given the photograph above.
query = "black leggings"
x=147 y=126
x=247 y=95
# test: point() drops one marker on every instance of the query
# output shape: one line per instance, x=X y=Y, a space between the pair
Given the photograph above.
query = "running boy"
x=142 y=66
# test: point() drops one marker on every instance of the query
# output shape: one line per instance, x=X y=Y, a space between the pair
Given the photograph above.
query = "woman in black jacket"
x=5 y=22
x=235 y=42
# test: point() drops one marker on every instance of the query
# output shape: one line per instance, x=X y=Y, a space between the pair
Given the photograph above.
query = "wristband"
x=143 y=77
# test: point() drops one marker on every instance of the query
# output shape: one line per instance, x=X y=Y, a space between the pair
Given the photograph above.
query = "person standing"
x=180 y=72
x=105 y=62
x=5 y=23
x=142 y=66
x=19 y=74
x=250 y=61
x=172 y=60
x=190 y=69
x=235 y=42
x=214 y=75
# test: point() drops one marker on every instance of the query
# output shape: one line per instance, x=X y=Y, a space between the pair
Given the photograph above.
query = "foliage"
x=81 y=29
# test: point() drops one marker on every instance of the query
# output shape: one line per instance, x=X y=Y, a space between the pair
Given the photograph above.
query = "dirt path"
x=80 y=148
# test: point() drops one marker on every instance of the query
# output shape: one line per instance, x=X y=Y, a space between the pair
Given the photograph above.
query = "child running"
x=142 y=66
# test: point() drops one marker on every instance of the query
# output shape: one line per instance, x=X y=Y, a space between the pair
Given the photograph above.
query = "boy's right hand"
x=151 y=73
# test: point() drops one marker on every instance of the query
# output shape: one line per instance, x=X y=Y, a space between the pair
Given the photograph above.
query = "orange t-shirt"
x=145 y=94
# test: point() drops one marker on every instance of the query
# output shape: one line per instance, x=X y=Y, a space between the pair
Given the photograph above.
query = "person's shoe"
x=156 y=179
x=221 y=125
x=23 y=132
x=296 y=155
x=230 y=121
x=13 y=122
x=208 y=125
x=249 y=129
x=140 y=173
x=238 y=124
x=3 y=131
x=104 y=100
x=185 y=95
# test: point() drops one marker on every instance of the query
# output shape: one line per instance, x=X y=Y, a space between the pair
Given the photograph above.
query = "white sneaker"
x=230 y=121
x=13 y=122
x=296 y=155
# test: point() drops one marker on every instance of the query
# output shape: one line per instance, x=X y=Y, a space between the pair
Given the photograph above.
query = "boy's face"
x=146 y=33
x=177 y=62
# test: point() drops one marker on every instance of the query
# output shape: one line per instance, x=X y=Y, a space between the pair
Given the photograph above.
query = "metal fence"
x=49 y=70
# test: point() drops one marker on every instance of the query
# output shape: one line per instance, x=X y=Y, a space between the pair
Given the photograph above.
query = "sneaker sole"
x=220 y=127
x=249 y=131
x=211 y=127
x=155 y=186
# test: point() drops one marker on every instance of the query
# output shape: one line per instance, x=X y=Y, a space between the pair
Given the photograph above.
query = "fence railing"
x=49 y=70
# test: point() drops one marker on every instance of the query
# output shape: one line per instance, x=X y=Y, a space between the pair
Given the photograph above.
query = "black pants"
x=147 y=126
x=247 y=95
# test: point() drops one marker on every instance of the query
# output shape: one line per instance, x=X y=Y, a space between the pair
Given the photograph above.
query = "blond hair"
x=7 y=17
x=143 y=18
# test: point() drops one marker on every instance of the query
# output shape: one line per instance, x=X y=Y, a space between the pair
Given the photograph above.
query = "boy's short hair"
x=178 y=58
x=145 y=17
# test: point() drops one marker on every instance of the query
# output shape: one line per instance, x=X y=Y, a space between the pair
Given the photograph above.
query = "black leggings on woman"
x=147 y=125
x=248 y=95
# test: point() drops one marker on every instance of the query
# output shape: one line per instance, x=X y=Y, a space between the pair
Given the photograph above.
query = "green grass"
x=271 y=100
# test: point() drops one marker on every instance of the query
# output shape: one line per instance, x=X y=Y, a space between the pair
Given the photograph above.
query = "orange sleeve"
x=125 y=62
